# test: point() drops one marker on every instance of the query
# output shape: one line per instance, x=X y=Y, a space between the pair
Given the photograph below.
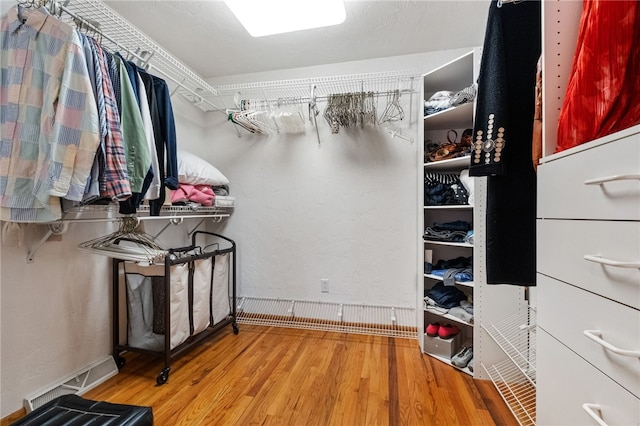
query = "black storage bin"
x=72 y=410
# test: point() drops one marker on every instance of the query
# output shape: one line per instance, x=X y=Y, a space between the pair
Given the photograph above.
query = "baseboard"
x=76 y=383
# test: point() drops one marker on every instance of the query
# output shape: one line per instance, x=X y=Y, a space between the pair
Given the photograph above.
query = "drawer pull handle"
x=600 y=181
x=609 y=262
x=596 y=336
x=594 y=411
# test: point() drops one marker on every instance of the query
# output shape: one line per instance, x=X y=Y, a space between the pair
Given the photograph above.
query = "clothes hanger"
x=501 y=2
x=393 y=111
x=127 y=243
x=314 y=111
x=289 y=117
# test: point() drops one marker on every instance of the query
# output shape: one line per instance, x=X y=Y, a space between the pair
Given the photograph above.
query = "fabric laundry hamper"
x=175 y=306
x=146 y=305
x=210 y=291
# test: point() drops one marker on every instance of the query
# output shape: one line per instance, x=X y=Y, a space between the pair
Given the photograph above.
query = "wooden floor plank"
x=277 y=376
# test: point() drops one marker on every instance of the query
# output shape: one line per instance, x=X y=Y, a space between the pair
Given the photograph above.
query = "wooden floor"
x=278 y=376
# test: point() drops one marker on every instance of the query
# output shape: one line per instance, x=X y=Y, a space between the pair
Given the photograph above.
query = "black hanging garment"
x=502 y=139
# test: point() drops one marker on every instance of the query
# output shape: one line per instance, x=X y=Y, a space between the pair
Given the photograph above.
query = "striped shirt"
x=115 y=173
x=48 y=116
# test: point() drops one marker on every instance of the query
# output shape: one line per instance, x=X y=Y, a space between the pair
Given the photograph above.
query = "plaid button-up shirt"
x=48 y=116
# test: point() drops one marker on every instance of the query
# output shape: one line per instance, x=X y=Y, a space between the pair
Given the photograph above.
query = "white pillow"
x=196 y=171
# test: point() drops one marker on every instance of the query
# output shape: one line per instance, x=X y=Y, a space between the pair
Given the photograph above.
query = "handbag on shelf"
x=453 y=148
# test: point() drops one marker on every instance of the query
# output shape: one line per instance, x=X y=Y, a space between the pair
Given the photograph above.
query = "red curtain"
x=603 y=94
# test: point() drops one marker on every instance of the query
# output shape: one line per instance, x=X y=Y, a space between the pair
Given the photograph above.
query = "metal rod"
x=143 y=218
x=305 y=100
x=163 y=229
x=31 y=253
x=196 y=227
x=199 y=96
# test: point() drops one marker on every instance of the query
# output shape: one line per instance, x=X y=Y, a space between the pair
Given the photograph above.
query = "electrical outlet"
x=324 y=285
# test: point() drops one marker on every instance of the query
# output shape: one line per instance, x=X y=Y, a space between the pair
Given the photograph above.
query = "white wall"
x=346 y=210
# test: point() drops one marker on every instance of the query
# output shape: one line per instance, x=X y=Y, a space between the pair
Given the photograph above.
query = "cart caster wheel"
x=162 y=377
x=120 y=361
x=236 y=330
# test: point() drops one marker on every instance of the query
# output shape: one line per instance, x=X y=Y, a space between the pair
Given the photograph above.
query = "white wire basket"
x=327 y=316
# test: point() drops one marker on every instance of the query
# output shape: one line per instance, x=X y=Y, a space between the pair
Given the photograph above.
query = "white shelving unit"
x=492 y=303
x=453 y=76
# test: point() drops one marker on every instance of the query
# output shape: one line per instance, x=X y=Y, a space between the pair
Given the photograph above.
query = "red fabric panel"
x=603 y=94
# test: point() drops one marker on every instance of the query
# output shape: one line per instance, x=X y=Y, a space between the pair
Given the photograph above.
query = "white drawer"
x=564 y=194
x=562 y=245
x=566 y=312
x=565 y=382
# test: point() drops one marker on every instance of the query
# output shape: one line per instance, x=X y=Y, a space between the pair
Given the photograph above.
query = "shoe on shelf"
x=432 y=329
x=463 y=357
x=470 y=365
x=447 y=331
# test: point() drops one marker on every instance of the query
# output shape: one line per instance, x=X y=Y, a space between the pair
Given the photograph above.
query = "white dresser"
x=588 y=294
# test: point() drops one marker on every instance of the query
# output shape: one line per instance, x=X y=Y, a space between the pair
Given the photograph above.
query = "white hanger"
x=393 y=110
x=127 y=243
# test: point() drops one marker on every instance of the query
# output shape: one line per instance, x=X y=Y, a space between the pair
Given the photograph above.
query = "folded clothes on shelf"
x=457 y=262
x=450 y=276
x=463 y=314
x=456 y=225
x=446 y=99
x=442 y=189
x=458 y=269
x=224 y=201
x=446 y=296
x=437 y=102
x=449 y=232
x=460 y=313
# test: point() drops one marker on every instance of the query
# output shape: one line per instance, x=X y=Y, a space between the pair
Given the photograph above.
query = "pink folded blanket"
x=201 y=194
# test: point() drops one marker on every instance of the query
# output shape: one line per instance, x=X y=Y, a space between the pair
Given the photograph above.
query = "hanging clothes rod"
x=295 y=100
x=60 y=227
x=86 y=24
x=144 y=218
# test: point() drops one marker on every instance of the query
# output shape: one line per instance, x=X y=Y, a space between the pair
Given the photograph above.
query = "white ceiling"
x=207 y=37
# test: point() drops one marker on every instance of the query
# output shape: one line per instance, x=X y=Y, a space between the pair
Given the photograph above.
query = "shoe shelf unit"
x=454 y=76
x=491 y=303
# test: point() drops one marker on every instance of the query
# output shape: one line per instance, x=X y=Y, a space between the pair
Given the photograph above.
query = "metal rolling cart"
x=202 y=270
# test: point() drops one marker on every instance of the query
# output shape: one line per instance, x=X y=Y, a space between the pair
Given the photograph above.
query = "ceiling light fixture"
x=267 y=17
